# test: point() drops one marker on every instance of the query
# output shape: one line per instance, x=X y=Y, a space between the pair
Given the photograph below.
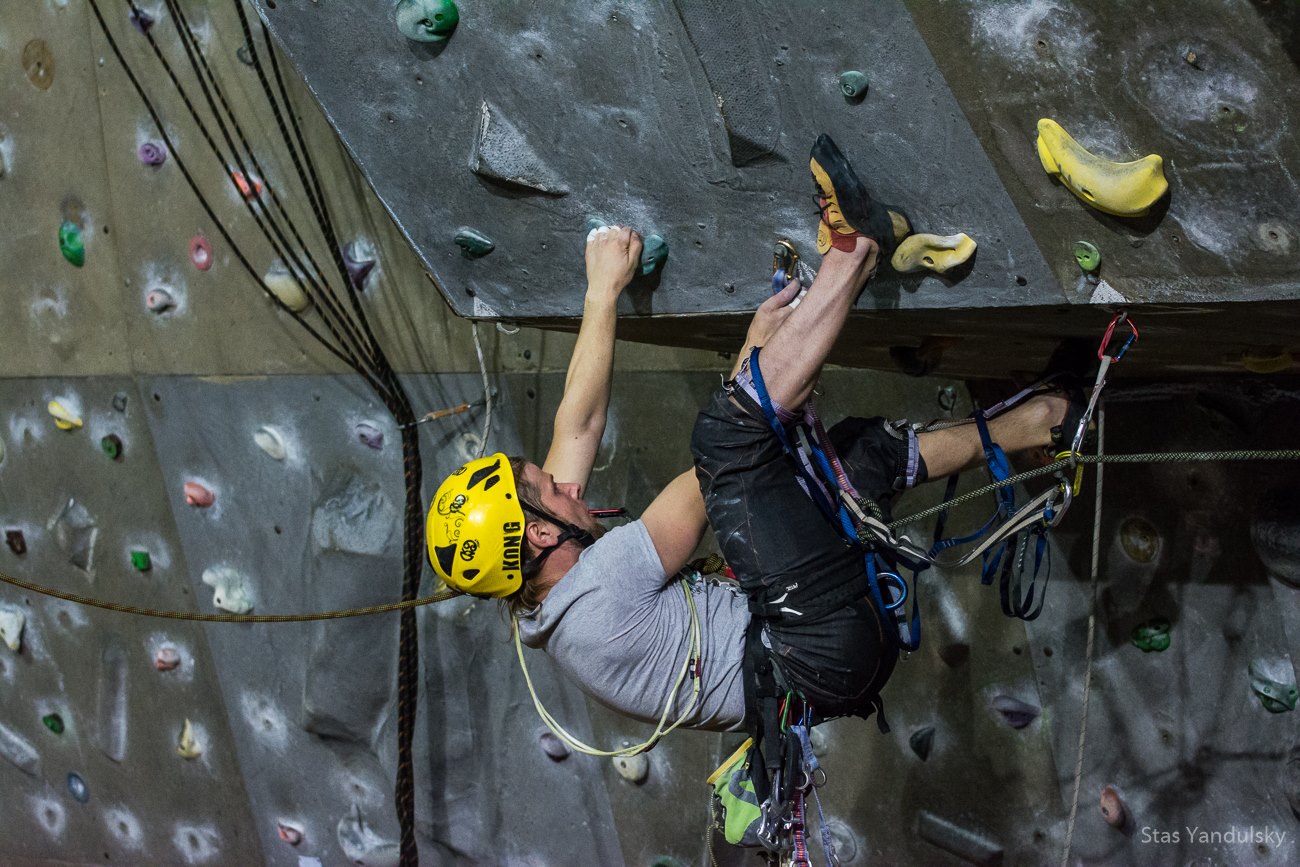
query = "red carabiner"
x=1122 y=316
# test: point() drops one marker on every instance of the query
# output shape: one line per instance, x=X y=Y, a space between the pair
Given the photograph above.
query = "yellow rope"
x=229 y=618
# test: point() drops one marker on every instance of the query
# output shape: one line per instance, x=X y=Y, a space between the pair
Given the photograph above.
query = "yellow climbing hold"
x=64 y=418
x=189 y=747
x=1122 y=189
x=284 y=286
x=935 y=252
x=1269 y=360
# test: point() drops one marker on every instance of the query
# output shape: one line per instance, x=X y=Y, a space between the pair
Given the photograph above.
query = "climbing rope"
x=1139 y=458
x=229 y=618
x=1092 y=632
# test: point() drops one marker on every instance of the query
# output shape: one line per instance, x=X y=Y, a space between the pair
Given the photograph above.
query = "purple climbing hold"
x=167 y=658
x=359 y=259
x=1014 y=712
x=16 y=542
x=201 y=252
x=152 y=154
x=370 y=435
x=140 y=19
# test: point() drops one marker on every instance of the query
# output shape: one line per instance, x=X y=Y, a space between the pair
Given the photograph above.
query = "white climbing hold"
x=230 y=589
x=291 y=834
x=634 y=769
x=268 y=439
x=284 y=286
x=189 y=746
x=1106 y=294
x=21 y=754
x=65 y=417
x=362 y=845
x=11 y=626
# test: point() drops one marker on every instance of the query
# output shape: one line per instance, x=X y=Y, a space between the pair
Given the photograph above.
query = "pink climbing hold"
x=201 y=252
x=159 y=301
x=152 y=154
x=198 y=495
x=289 y=834
x=167 y=658
x=1112 y=807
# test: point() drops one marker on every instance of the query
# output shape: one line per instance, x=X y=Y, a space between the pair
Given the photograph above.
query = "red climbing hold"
x=198 y=495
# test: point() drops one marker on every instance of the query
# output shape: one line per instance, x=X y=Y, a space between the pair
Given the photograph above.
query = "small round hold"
x=71 y=245
x=119 y=401
x=167 y=658
x=634 y=769
x=112 y=446
x=1087 y=255
x=53 y=722
x=427 y=20
x=201 y=252
x=556 y=750
x=1112 y=807
x=159 y=301
x=198 y=495
x=152 y=154
x=853 y=84
x=16 y=542
x=289 y=833
x=473 y=243
x=370 y=435
x=1139 y=540
x=38 y=63
x=141 y=560
x=268 y=439
x=77 y=788
x=922 y=742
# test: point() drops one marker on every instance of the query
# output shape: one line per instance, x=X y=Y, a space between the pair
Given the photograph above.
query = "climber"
x=603 y=605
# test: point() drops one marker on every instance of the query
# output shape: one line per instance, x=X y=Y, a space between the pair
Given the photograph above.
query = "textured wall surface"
x=694 y=119
x=292 y=748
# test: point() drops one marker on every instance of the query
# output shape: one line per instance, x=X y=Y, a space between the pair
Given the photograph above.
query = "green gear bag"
x=735 y=803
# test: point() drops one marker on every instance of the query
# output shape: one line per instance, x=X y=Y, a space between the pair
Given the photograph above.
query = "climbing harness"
x=692 y=667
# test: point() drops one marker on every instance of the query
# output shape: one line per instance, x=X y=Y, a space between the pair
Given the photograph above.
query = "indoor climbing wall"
x=171 y=439
x=693 y=121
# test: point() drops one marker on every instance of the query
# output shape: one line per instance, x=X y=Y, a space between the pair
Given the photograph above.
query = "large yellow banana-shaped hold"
x=1122 y=189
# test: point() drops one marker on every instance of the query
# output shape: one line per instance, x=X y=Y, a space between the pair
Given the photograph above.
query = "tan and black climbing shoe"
x=847 y=209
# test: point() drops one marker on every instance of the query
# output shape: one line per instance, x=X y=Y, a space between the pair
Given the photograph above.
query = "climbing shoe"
x=847 y=209
x=735 y=805
x=1073 y=367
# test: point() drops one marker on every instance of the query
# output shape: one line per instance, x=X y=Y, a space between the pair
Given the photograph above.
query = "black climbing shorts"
x=769 y=530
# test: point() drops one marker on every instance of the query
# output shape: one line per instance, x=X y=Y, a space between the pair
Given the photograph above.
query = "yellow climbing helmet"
x=475 y=529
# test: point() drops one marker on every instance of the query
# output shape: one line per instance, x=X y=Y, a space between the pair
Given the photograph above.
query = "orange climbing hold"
x=198 y=495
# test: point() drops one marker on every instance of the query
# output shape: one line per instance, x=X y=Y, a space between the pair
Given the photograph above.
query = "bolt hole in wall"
x=1021 y=281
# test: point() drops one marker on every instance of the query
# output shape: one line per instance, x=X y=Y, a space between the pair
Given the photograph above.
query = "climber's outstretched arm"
x=613 y=255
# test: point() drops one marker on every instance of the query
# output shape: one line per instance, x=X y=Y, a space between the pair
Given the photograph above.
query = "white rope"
x=1092 y=631
x=692 y=654
x=487 y=392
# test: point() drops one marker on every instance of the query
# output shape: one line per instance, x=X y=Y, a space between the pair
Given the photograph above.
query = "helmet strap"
x=568 y=531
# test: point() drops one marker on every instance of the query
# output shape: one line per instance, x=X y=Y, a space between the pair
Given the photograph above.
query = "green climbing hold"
x=1087 y=255
x=473 y=243
x=141 y=560
x=1152 y=635
x=70 y=243
x=427 y=20
x=1274 y=696
x=594 y=223
x=853 y=84
x=112 y=446
x=53 y=722
x=654 y=252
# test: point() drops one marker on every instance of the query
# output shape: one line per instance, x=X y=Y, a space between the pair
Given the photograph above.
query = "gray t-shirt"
x=618 y=627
